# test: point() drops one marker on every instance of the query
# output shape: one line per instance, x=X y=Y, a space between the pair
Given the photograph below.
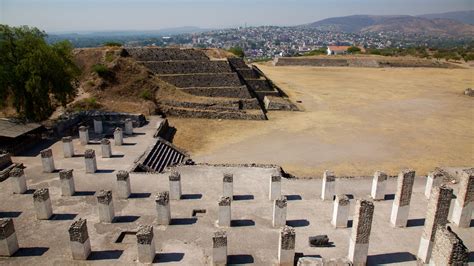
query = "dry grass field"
x=354 y=121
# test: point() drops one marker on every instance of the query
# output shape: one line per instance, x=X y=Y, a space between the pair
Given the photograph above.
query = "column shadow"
x=83 y=193
x=297 y=223
x=191 y=196
x=139 y=195
x=125 y=219
x=168 y=257
x=388 y=258
x=243 y=197
x=63 y=216
x=10 y=214
x=293 y=197
x=105 y=255
x=389 y=197
x=31 y=252
x=183 y=221
x=416 y=222
x=240 y=259
x=242 y=222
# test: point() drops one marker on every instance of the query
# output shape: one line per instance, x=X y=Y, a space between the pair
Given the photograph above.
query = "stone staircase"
x=159 y=156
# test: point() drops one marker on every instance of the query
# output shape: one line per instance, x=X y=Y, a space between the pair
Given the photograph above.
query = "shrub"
x=112 y=44
x=146 y=95
x=101 y=70
x=353 y=50
x=238 y=51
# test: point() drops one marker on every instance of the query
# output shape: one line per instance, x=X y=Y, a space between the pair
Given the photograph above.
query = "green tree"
x=33 y=74
x=353 y=50
x=238 y=51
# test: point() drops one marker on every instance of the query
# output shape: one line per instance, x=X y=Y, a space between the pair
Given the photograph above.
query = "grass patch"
x=109 y=56
x=102 y=71
x=90 y=103
x=146 y=95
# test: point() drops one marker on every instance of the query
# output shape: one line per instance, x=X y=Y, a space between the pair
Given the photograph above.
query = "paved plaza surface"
x=188 y=240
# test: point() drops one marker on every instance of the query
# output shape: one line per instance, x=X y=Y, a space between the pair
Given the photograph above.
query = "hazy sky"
x=87 y=15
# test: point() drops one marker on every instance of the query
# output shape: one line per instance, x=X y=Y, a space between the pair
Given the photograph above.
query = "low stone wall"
x=5 y=160
x=186 y=67
x=209 y=114
x=360 y=62
x=248 y=73
x=164 y=54
x=203 y=80
x=259 y=84
x=284 y=61
x=241 y=104
x=226 y=92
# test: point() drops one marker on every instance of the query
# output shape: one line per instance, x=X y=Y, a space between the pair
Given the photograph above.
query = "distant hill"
x=466 y=17
x=401 y=24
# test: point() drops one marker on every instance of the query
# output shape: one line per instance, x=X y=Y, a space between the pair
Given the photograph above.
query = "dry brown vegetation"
x=355 y=121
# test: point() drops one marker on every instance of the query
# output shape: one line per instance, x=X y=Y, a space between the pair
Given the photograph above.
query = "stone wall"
x=189 y=66
x=213 y=114
x=164 y=54
x=247 y=73
x=226 y=92
x=237 y=63
x=203 y=80
x=310 y=62
x=5 y=160
x=259 y=84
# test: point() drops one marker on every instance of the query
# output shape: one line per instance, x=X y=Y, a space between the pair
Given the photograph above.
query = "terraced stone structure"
x=233 y=89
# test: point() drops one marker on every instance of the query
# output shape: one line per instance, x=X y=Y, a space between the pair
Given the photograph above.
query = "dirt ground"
x=354 y=121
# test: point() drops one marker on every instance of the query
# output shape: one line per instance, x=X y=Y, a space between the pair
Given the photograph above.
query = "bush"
x=238 y=51
x=101 y=70
x=109 y=56
x=353 y=50
x=146 y=95
x=86 y=104
x=112 y=44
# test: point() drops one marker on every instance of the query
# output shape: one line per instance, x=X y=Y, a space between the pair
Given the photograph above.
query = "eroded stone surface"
x=175 y=176
x=276 y=178
x=448 y=248
x=48 y=153
x=406 y=178
x=228 y=178
x=342 y=199
x=288 y=237
x=145 y=234
x=104 y=197
x=224 y=201
x=41 y=194
x=66 y=174
x=78 y=231
x=163 y=198
x=17 y=172
x=362 y=224
x=123 y=175
x=466 y=187
x=281 y=202
x=89 y=154
x=6 y=228
x=219 y=239
x=438 y=210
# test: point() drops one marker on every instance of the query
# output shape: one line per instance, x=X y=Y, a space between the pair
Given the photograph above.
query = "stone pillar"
x=279 y=212
x=436 y=216
x=340 y=214
x=225 y=215
x=464 y=203
x=228 y=185
x=42 y=203
x=67 y=182
x=128 y=126
x=47 y=160
x=378 y=186
x=79 y=239
x=401 y=204
x=219 y=248
x=434 y=179
x=68 y=147
x=98 y=129
x=118 y=137
x=105 y=205
x=18 y=180
x=83 y=135
x=123 y=184
x=91 y=163
x=286 y=246
x=329 y=186
x=163 y=208
x=362 y=224
x=145 y=244
x=106 y=148
x=175 y=185
x=8 y=240
x=275 y=187
x=448 y=249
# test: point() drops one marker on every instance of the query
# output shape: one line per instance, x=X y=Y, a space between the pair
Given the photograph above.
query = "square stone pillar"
x=47 y=160
x=378 y=186
x=83 y=135
x=361 y=227
x=279 y=212
x=145 y=244
x=90 y=161
x=275 y=187
x=225 y=215
x=163 y=208
x=68 y=147
x=448 y=249
x=67 y=182
x=219 y=248
x=328 y=190
x=105 y=205
x=340 y=214
x=175 y=185
x=434 y=179
x=464 y=203
x=401 y=204
x=228 y=185
x=98 y=129
x=8 y=240
x=436 y=216
x=286 y=246
x=42 y=203
x=106 y=148
x=18 y=180
x=79 y=239
x=123 y=184
x=128 y=126
x=118 y=137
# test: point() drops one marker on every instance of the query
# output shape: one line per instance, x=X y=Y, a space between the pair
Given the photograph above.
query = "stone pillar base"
x=461 y=216
x=106 y=212
x=286 y=257
x=328 y=191
x=80 y=251
x=123 y=189
x=224 y=216
x=67 y=187
x=18 y=184
x=228 y=190
x=44 y=210
x=219 y=256
x=146 y=253
x=48 y=165
x=9 y=245
x=175 y=190
x=399 y=216
x=424 y=251
x=340 y=215
x=164 y=214
x=358 y=252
